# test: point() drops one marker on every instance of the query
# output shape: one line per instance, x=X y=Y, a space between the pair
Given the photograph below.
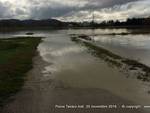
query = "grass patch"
x=15 y=61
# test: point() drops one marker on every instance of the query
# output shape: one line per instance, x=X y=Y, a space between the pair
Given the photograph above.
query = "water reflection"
x=66 y=50
x=97 y=31
x=135 y=47
x=137 y=41
x=72 y=66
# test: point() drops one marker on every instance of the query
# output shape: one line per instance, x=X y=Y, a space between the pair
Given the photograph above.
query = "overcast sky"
x=74 y=10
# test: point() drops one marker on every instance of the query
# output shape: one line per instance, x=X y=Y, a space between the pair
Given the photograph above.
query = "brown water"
x=69 y=74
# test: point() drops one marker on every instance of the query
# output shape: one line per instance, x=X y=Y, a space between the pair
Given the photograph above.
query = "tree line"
x=53 y=23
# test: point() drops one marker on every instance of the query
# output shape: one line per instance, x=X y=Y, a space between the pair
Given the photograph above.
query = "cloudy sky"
x=74 y=10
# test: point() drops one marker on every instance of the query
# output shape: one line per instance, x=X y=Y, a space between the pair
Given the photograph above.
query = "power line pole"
x=93 y=20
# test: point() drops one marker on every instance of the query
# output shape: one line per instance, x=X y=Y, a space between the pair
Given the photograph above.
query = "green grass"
x=15 y=61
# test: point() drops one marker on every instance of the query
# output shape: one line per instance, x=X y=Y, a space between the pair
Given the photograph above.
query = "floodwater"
x=66 y=73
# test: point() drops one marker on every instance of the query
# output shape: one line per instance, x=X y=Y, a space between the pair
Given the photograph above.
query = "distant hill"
x=11 y=23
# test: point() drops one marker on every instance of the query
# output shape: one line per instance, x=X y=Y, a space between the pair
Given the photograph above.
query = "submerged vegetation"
x=142 y=71
x=15 y=61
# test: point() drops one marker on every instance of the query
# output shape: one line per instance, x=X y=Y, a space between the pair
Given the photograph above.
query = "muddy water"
x=135 y=47
x=66 y=73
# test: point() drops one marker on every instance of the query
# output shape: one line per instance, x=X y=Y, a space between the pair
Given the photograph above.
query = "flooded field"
x=69 y=73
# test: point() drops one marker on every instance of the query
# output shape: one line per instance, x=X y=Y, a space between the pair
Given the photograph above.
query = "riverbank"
x=15 y=61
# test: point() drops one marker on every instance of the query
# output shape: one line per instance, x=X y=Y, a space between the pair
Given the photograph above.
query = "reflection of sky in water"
x=97 y=31
x=60 y=58
x=58 y=50
x=136 y=41
x=75 y=67
x=66 y=50
x=131 y=46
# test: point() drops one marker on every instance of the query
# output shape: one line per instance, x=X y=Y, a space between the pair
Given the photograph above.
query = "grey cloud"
x=121 y=12
x=74 y=9
x=53 y=8
x=97 y=4
x=20 y=11
x=5 y=11
x=58 y=8
x=50 y=11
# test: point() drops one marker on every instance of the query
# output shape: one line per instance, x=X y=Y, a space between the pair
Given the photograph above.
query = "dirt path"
x=41 y=95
